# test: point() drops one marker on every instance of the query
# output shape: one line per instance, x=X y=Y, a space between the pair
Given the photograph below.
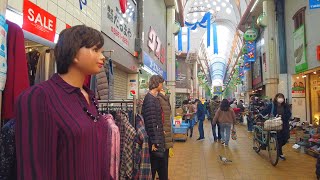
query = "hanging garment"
x=113 y=148
x=17 y=73
x=102 y=85
x=32 y=58
x=46 y=66
x=142 y=162
x=8 y=161
x=57 y=139
x=127 y=136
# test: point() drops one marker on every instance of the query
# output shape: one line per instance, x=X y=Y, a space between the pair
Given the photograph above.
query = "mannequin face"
x=89 y=60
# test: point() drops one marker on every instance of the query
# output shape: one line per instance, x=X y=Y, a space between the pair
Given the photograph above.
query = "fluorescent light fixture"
x=201 y=2
x=254 y=5
x=218 y=8
x=304 y=76
x=195 y=14
x=208 y=6
x=129 y=19
x=124 y=15
x=223 y=4
x=315 y=72
x=195 y=3
x=148 y=70
x=214 y=3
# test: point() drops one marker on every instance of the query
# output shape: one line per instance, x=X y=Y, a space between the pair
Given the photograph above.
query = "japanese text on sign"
x=82 y=3
x=119 y=22
x=155 y=45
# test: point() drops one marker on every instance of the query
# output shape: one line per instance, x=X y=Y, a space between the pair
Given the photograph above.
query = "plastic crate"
x=180 y=130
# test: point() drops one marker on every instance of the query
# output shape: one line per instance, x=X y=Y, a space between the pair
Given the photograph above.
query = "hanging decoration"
x=215 y=39
x=204 y=23
x=180 y=40
x=250 y=55
x=188 y=47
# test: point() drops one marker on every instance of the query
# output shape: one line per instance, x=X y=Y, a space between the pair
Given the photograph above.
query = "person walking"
x=152 y=115
x=201 y=114
x=241 y=107
x=188 y=114
x=282 y=109
x=214 y=105
x=166 y=115
x=227 y=118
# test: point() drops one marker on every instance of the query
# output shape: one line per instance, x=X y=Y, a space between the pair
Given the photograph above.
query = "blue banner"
x=204 y=23
x=314 y=4
x=241 y=72
x=250 y=55
x=208 y=29
x=180 y=40
x=215 y=39
x=151 y=64
x=188 y=47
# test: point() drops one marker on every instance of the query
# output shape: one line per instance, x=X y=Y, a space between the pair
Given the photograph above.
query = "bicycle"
x=265 y=140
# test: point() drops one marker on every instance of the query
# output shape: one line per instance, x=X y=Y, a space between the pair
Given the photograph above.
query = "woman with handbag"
x=280 y=108
x=152 y=114
x=227 y=118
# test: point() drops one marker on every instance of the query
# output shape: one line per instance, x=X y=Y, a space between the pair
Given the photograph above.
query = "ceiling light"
x=218 y=8
x=129 y=19
x=228 y=10
x=206 y=1
x=211 y=11
x=208 y=6
x=214 y=3
x=128 y=3
x=130 y=7
x=127 y=11
x=304 y=76
x=195 y=14
x=124 y=15
x=228 y=0
x=224 y=4
x=195 y=3
x=315 y=72
x=219 y=0
x=201 y=2
x=203 y=13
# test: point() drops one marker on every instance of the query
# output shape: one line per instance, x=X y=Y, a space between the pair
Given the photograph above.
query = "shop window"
x=299 y=18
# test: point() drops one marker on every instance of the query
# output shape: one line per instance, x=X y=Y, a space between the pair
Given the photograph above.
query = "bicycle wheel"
x=273 y=149
x=256 y=143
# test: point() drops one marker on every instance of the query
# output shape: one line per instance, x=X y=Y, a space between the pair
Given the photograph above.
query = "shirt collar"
x=67 y=87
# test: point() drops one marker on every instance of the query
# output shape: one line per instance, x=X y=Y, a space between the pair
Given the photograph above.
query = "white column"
x=171 y=57
x=272 y=77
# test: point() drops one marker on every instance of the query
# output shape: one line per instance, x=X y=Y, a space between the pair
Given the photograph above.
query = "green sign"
x=299 y=46
x=250 y=35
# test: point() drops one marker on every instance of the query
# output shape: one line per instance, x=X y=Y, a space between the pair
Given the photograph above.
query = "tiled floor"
x=194 y=160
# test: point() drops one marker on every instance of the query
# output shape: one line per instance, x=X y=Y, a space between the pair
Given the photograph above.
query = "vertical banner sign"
x=241 y=72
x=132 y=85
x=180 y=40
x=38 y=21
x=313 y=4
x=215 y=39
x=250 y=56
x=300 y=50
x=3 y=52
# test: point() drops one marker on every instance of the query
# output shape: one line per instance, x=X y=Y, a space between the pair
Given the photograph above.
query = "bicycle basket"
x=273 y=124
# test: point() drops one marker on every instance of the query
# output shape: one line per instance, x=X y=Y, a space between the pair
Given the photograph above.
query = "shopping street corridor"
x=198 y=160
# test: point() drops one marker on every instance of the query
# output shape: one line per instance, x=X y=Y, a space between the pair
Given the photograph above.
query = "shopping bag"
x=234 y=133
x=171 y=154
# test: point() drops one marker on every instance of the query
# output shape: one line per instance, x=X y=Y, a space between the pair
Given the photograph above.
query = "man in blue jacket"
x=201 y=112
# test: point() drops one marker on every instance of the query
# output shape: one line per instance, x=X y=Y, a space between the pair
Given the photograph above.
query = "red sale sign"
x=38 y=21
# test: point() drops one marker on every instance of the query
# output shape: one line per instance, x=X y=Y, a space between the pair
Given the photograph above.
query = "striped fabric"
x=55 y=138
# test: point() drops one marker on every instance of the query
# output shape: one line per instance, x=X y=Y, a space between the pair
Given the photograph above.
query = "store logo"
x=155 y=45
x=82 y=3
x=123 y=6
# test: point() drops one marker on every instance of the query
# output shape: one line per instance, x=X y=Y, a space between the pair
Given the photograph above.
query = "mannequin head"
x=156 y=83
x=79 y=48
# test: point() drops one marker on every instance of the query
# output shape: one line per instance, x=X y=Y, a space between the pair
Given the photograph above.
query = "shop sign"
x=217 y=90
x=38 y=21
x=298 y=87
x=149 y=62
x=155 y=45
x=119 y=26
x=82 y=3
x=300 y=50
x=250 y=35
x=132 y=85
x=313 y=4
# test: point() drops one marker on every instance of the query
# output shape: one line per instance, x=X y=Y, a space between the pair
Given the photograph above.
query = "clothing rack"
x=122 y=103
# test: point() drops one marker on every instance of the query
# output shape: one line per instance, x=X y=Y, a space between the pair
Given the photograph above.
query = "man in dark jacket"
x=152 y=114
x=214 y=105
x=201 y=114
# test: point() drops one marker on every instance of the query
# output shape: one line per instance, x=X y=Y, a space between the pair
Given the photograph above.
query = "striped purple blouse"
x=55 y=138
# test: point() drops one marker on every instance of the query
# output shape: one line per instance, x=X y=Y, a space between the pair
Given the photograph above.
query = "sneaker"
x=282 y=157
x=226 y=145
x=198 y=139
x=222 y=142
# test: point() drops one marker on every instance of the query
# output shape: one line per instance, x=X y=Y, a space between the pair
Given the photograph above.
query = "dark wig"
x=225 y=105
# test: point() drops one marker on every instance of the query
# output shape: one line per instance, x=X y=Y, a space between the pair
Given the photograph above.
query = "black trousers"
x=160 y=166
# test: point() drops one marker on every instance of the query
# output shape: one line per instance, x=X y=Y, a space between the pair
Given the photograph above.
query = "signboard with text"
x=155 y=45
x=149 y=62
x=313 y=4
x=119 y=26
x=299 y=46
x=38 y=21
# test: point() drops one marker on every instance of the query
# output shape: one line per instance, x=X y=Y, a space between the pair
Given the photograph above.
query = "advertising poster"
x=298 y=87
x=300 y=50
x=250 y=55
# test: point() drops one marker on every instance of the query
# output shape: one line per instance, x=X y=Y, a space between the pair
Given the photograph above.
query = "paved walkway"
x=198 y=160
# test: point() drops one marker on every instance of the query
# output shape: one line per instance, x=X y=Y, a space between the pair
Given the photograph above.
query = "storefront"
x=154 y=46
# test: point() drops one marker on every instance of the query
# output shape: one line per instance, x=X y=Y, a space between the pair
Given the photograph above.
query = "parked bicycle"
x=265 y=139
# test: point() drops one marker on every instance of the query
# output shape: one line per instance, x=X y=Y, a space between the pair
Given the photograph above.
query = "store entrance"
x=40 y=61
